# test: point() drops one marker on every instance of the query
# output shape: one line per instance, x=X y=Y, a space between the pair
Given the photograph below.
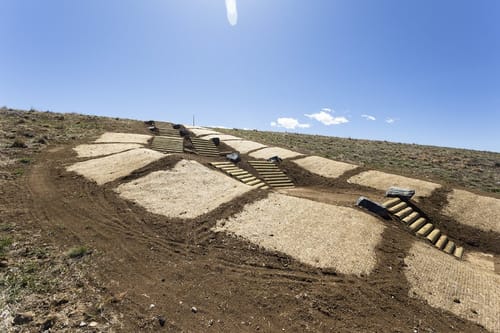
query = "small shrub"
x=78 y=252
x=4 y=244
x=19 y=143
x=25 y=160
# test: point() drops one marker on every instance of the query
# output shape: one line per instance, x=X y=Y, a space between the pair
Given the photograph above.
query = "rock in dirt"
x=162 y=321
x=194 y=309
x=23 y=318
x=48 y=323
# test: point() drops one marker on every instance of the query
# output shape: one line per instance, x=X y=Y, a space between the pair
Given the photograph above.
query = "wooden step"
x=221 y=163
x=459 y=252
x=247 y=179
x=410 y=218
x=391 y=202
x=442 y=241
x=417 y=224
x=434 y=235
x=450 y=247
x=398 y=207
x=404 y=212
x=424 y=231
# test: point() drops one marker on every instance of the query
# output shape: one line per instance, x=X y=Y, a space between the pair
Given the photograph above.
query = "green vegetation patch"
x=78 y=252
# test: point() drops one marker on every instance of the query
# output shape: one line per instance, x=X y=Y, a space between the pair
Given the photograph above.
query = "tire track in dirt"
x=182 y=260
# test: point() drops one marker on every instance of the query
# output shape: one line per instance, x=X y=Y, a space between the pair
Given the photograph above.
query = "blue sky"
x=416 y=71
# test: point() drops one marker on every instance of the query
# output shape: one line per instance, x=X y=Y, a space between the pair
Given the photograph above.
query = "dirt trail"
x=235 y=286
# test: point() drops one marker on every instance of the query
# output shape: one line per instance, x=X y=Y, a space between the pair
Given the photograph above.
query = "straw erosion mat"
x=104 y=149
x=170 y=193
x=106 y=169
x=324 y=166
x=382 y=181
x=110 y=137
x=266 y=153
x=453 y=285
x=244 y=146
x=474 y=210
x=315 y=233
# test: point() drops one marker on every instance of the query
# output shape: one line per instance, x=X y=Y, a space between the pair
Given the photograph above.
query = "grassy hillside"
x=471 y=169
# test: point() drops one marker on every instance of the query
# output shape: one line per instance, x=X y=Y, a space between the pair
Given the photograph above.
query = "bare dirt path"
x=198 y=280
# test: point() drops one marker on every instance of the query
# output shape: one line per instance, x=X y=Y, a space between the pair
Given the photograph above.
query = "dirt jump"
x=179 y=246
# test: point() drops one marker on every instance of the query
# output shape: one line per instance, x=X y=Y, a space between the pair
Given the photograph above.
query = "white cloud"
x=325 y=117
x=390 y=120
x=368 y=117
x=232 y=12
x=289 y=123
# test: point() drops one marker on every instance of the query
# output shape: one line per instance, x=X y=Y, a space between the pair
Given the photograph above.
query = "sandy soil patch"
x=324 y=166
x=454 y=285
x=106 y=169
x=202 y=131
x=474 y=210
x=168 y=192
x=222 y=137
x=315 y=233
x=483 y=260
x=274 y=151
x=244 y=146
x=104 y=149
x=382 y=181
x=110 y=137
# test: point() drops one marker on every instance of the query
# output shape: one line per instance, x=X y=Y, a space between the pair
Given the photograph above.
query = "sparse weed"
x=78 y=252
x=5 y=242
x=6 y=227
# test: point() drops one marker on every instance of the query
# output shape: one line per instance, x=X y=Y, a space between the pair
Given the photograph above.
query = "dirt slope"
x=146 y=270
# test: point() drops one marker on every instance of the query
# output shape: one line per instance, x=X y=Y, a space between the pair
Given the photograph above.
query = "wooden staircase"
x=419 y=226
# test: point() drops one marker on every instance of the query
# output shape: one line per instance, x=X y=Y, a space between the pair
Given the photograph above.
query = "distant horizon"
x=424 y=72
x=255 y=129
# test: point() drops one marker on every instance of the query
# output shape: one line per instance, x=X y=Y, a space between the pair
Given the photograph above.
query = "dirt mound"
x=382 y=181
x=324 y=166
x=106 y=169
x=318 y=234
x=454 y=285
x=104 y=149
x=474 y=210
x=186 y=191
x=266 y=153
x=110 y=137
